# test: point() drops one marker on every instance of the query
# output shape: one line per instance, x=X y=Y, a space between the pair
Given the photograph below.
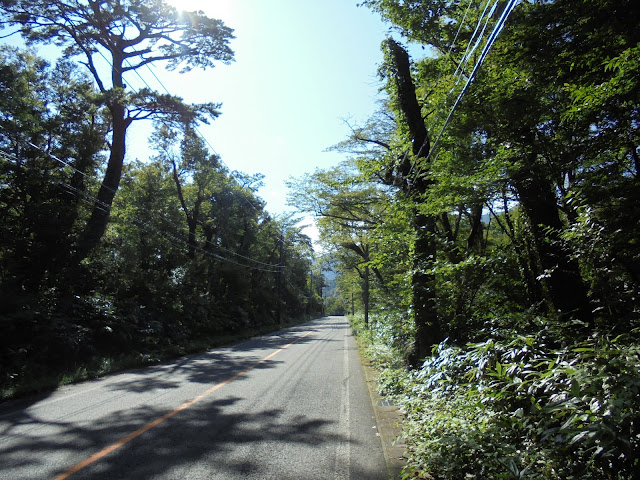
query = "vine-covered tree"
x=534 y=187
x=411 y=172
x=549 y=112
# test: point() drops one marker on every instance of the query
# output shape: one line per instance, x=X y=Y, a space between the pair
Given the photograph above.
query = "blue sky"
x=301 y=68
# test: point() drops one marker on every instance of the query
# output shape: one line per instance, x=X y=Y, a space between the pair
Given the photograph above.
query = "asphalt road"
x=291 y=405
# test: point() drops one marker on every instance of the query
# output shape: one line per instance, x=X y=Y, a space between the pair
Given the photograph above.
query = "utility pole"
x=353 y=307
x=310 y=291
x=280 y=279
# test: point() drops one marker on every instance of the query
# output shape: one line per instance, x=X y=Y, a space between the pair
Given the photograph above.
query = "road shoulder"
x=389 y=420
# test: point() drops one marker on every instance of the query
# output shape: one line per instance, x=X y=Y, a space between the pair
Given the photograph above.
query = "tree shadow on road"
x=215 y=438
x=205 y=437
x=220 y=364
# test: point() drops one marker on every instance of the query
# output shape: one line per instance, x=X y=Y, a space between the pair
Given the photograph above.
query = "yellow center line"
x=106 y=451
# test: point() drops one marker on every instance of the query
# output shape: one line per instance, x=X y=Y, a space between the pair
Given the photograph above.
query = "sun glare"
x=212 y=8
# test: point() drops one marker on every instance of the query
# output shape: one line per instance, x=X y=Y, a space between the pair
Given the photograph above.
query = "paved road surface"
x=291 y=405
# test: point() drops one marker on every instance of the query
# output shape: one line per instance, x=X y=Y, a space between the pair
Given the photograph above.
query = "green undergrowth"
x=517 y=406
x=37 y=378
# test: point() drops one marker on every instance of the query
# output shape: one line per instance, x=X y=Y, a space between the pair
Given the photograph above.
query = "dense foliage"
x=485 y=224
x=187 y=258
x=506 y=235
x=515 y=406
x=127 y=35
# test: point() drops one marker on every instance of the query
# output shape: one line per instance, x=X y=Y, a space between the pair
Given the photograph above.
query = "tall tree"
x=52 y=137
x=349 y=207
x=194 y=172
x=411 y=172
x=129 y=34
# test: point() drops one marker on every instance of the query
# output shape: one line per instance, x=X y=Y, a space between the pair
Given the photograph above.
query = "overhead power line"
x=251 y=205
x=259 y=265
x=475 y=40
x=197 y=130
x=464 y=17
x=485 y=51
x=476 y=37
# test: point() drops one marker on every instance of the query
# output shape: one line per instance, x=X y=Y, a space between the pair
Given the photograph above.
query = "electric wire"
x=105 y=207
x=171 y=237
x=474 y=41
x=196 y=128
x=174 y=239
x=102 y=206
x=460 y=71
x=455 y=38
x=485 y=51
x=202 y=224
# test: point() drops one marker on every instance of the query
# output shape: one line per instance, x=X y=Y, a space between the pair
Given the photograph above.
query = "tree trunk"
x=566 y=289
x=426 y=321
x=475 y=239
x=365 y=274
x=97 y=224
x=191 y=217
x=366 y=295
x=528 y=268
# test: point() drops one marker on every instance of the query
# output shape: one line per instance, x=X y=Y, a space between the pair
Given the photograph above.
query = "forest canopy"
x=483 y=225
x=105 y=261
x=488 y=214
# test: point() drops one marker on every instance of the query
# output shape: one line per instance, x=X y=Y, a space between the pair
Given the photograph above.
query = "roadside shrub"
x=520 y=409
